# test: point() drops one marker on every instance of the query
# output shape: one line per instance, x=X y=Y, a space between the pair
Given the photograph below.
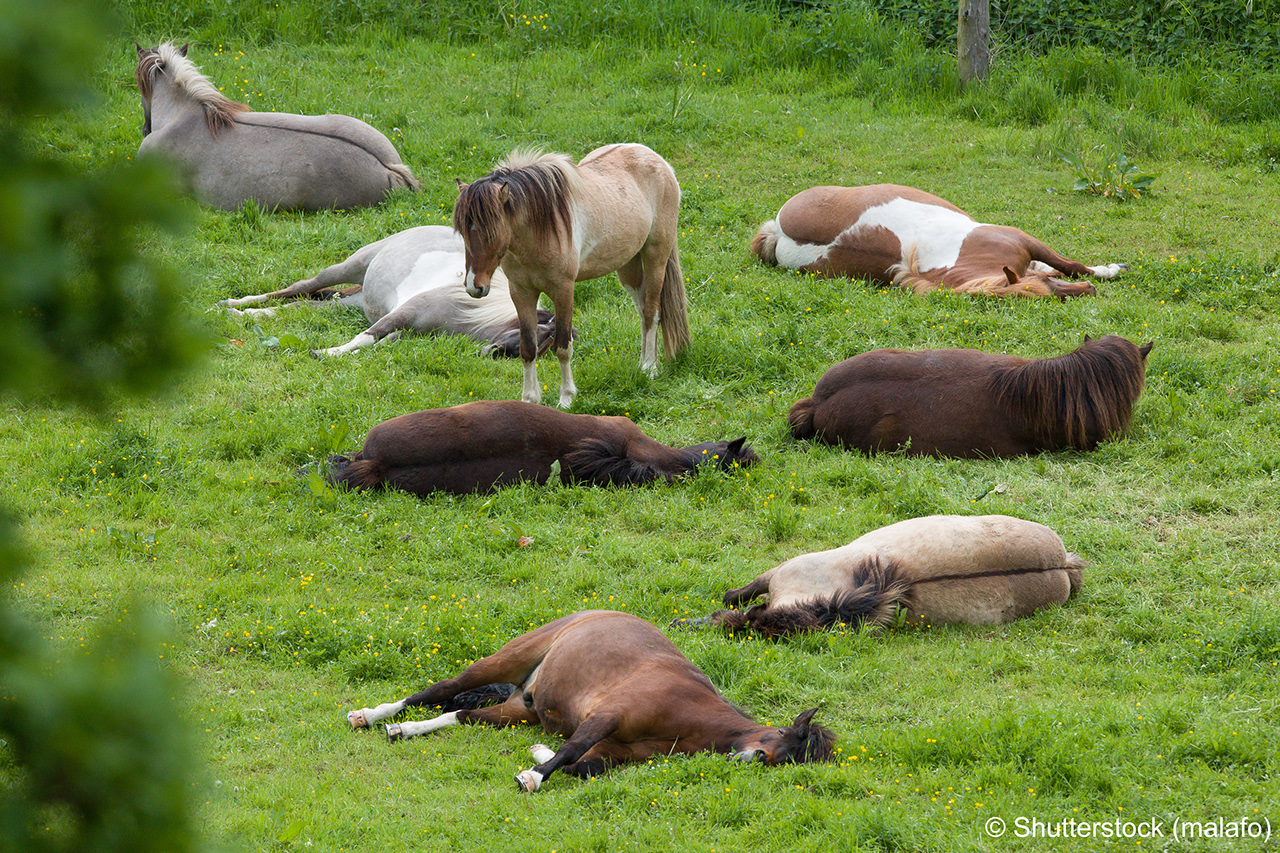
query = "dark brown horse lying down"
x=478 y=446
x=908 y=237
x=968 y=403
x=940 y=569
x=618 y=689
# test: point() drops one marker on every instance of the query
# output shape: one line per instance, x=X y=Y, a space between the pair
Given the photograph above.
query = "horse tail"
x=765 y=244
x=1075 y=572
x=801 y=419
x=402 y=178
x=354 y=473
x=602 y=463
x=674 y=308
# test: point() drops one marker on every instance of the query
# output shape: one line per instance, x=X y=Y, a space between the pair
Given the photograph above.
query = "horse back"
x=933 y=402
x=821 y=214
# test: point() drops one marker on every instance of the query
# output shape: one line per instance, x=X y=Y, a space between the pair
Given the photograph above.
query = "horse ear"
x=1146 y=349
x=504 y=193
x=802 y=721
x=183 y=50
x=1011 y=275
x=461 y=185
x=735 y=446
x=1087 y=339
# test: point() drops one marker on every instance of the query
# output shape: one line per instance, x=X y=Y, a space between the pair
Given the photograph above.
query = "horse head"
x=725 y=455
x=798 y=743
x=482 y=216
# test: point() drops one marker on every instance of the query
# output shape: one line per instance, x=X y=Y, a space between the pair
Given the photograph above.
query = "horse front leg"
x=526 y=303
x=594 y=729
x=562 y=341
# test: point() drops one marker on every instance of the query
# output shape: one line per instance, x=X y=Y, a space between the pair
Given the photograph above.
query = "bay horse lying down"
x=905 y=236
x=226 y=154
x=409 y=282
x=940 y=569
x=479 y=446
x=618 y=689
x=968 y=403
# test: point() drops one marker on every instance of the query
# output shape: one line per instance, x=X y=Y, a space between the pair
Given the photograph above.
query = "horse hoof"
x=394 y=732
x=541 y=753
x=528 y=780
x=358 y=719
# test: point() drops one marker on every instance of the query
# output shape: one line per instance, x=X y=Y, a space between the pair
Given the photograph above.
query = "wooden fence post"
x=973 y=40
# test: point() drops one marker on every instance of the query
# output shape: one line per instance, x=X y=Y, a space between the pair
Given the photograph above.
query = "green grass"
x=1152 y=696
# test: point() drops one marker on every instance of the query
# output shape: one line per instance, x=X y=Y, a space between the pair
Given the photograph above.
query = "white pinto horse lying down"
x=410 y=281
x=905 y=236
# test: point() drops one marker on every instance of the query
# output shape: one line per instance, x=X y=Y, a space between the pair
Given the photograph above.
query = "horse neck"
x=171 y=103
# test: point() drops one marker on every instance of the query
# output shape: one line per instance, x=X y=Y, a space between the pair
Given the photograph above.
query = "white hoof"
x=529 y=780
x=542 y=753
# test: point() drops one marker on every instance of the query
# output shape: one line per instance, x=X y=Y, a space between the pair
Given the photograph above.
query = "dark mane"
x=602 y=462
x=1078 y=399
x=878 y=590
x=537 y=186
x=817 y=745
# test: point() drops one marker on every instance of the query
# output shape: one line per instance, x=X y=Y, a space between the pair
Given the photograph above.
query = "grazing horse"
x=550 y=223
x=409 y=282
x=941 y=569
x=904 y=236
x=618 y=689
x=479 y=446
x=967 y=403
x=227 y=155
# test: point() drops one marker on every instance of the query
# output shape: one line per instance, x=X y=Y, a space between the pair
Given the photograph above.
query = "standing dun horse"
x=904 y=236
x=409 y=282
x=940 y=569
x=226 y=155
x=618 y=689
x=968 y=403
x=482 y=445
x=550 y=223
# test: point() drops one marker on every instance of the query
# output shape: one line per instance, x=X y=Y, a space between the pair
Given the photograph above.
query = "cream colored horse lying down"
x=983 y=570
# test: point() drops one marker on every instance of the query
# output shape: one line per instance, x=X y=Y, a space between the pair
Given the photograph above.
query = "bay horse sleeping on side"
x=226 y=154
x=409 y=282
x=479 y=446
x=968 y=403
x=905 y=236
x=551 y=223
x=618 y=689
x=940 y=569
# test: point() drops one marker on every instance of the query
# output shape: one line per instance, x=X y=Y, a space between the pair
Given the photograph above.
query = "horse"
x=904 y=236
x=967 y=403
x=409 y=282
x=550 y=223
x=936 y=570
x=480 y=446
x=226 y=154
x=617 y=689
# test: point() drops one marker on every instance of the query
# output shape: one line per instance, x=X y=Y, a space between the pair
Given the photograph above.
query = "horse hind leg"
x=350 y=270
x=634 y=276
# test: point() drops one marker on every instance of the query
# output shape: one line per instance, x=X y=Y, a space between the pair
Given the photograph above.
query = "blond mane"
x=219 y=110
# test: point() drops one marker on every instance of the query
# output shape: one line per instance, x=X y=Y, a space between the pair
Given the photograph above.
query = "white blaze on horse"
x=226 y=154
x=409 y=282
x=550 y=223
x=917 y=241
x=616 y=688
x=940 y=569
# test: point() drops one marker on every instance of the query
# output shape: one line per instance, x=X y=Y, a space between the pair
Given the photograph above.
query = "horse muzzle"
x=747 y=756
x=475 y=289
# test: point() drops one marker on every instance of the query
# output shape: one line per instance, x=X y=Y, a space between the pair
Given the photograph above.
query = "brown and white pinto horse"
x=618 y=689
x=940 y=569
x=550 y=223
x=968 y=403
x=905 y=236
x=480 y=446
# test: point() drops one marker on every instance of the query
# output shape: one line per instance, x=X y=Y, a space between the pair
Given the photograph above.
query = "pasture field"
x=1150 y=698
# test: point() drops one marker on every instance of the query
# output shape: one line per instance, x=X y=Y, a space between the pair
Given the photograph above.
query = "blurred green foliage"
x=92 y=754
